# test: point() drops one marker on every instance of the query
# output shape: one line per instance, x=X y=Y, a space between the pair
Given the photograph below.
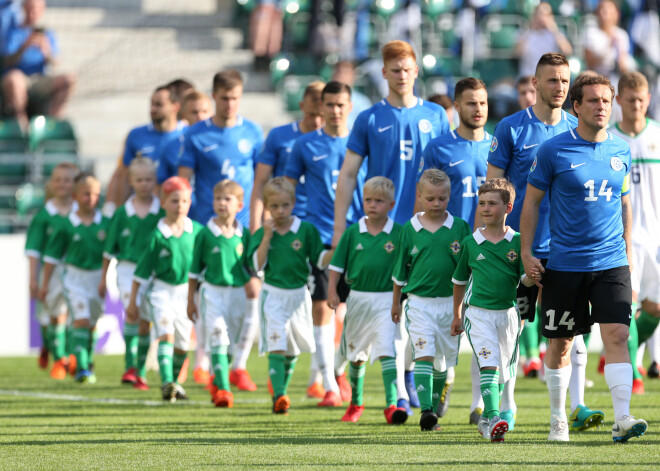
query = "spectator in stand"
x=28 y=50
x=542 y=36
x=607 y=47
x=446 y=102
x=10 y=13
x=345 y=73
x=266 y=26
x=526 y=91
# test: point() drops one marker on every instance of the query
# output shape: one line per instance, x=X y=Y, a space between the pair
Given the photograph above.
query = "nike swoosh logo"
x=319 y=157
x=525 y=146
x=576 y=166
x=210 y=148
x=385 y=128
x=453 y=164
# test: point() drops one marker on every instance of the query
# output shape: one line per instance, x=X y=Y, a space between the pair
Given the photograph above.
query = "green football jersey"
x=221 y=260
x=78 y=245
x=289 y=255
x=367 y=261
x=425 y=261
x=167 y=257
x=491 y=271
x=42 y=227
x=128 y=235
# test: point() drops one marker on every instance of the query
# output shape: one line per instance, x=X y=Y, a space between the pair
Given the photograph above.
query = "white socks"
x=248 y=329
x=508 y=403
x=579 y=364
x=451 y=375
x=618 y=377
x=557 y=382
x=475 y=376
x=314 y=373
x=654 y=346
x=324 y=336
x=201 y=358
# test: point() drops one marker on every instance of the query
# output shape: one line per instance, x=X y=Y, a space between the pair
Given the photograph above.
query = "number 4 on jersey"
x=565 y=320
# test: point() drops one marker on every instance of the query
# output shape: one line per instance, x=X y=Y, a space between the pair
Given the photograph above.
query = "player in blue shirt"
x=318 y=156
x=586 y=170
x=145 y=141
x=225 y=147
x=462 y=154
x=391 y=135
x=278 y=146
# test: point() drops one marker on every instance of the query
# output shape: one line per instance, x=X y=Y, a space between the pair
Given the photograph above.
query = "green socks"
x=93 y=338
x=356 y=377
x=220 y=366
x=143 y=348
x=439 y=379
x=177 y=363
x=289 y=366
x=46 y=337
x=529 y=337
x=165 y=355
x=633 y=343
x=58 y=341
x=81 y=338
x=277 y=373
x=490 y=392
x=131 y=340
x=646 y=325
x=388 y=368
x=424 y=383
x=70 y=349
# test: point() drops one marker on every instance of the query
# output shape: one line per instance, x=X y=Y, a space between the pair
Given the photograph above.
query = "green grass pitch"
x=45 y=424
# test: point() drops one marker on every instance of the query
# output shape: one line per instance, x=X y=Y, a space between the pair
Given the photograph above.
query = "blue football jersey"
x=147 y=141
x=168 y=158
x=216 y=154
x=585 y=182
x=392 y=140
x=515 y=142
x=319 y=157
x=465 y=163
x=277 y=148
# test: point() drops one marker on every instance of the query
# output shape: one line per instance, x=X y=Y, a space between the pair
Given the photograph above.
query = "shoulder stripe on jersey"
x=421 y=102
x=563 y=114
x=239 y=121
x=319 y=132
x=572 y=133
x=528 y=113
x=454 y=135
x=382 y=102
x=294 y=125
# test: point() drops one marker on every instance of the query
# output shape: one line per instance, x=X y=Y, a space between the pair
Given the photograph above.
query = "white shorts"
x=368 y=327
x=81 y=290
x=286 y=320
x=55 y=304
x=645 y=276
x=493 y=336
x=428 y=322
x=168 y=307
x=222 y=309
x=125 y=271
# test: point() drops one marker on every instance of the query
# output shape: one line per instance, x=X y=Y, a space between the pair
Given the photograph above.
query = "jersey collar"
x=295 y=225
x=76 y=221
x=417 y=225
x=576 y=136
x=130 y=207
x=387 y=228
x=167 y=232
x=479 y=237
x=217 y=231
x=52 y=210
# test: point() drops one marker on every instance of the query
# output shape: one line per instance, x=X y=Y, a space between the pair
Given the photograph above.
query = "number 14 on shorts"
x=565 y=320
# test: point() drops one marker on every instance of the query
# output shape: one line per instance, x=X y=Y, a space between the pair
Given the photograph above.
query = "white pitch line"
x=111 y=401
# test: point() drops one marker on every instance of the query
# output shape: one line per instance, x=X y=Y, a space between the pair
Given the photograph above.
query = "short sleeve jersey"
x=41 y=228
x=147 y=141
x=465 y=164
x=392 y=140
x=128 y=235
x=33 y=60
x=216 y=154
x=644 y=181
x=491 y=271
x=319 y=156
x=425 y=261
x=585 y=181
x=77 y=244
x=515 y=142
x=168 y=158
x=289 y=255
x=367 y=260
x=275 y=153
x=219 y=259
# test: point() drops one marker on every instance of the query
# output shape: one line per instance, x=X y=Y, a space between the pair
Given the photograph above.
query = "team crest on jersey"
x=493 y=144
x=239 y=249
x=126 y=232
x=425 y=126
x=616 y=163
x=533 y=167
x=420 y=343
x=484 y=352
x=389 y=246
x=274 y=337
x=49 y=231
x=101 y=235
x=80 y=306
x=455 y=247
x=244 y=146
x=296 y=245
x=512 y=255
x=351 y=347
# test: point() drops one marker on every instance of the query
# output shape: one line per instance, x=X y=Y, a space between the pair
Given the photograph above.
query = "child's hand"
x=43 y=292
x=192 y=312
x=333 y=298
x=457 y=326
x=132 y=311
x=102 y=288
x=396 y=313
x=269 y=227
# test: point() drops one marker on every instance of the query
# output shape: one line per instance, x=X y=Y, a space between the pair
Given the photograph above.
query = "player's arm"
x=34 y=244
x=333 y=296
x=529 y=219
x=400 y=274
x=346 y=183
x=626 y=215
x=460 y=279
x=261 y=176
x=459 y=295
x=53 y=252
x=261 y=255
x=396 y=302
x=196 y=268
